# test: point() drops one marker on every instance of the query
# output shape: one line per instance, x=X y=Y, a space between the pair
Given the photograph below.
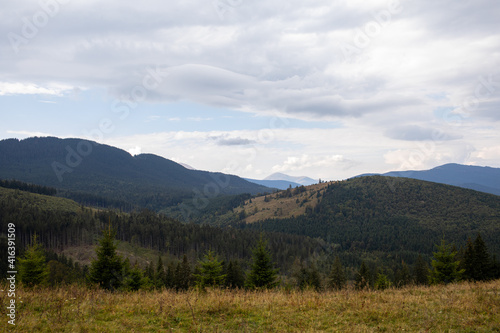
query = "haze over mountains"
x=282 y=181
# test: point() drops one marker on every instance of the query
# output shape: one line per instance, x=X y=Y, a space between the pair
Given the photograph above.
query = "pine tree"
x=262 y=273
x=337 y=279
x=106 y=270
x=421 y=271
x=445 y=267
x=33 y=267
x=211 y=272
x=362 y=278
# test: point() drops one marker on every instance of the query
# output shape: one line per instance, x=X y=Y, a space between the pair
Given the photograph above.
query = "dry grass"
x=464 y=307
x=277 y=207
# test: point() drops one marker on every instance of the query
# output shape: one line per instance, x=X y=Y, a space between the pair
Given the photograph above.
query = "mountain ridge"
x=144 y=180
x=480 y=178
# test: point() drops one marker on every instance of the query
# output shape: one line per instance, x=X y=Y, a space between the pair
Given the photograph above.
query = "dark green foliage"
x=71 y=225
x=395 y=216
x=144 y=180
x=467 y=260
x=482 y=261
x=382 y=282
x=262 y=273
x=403 y=276
x=306 y=277
x=476 y=261
x=421 y=271
x=161 y=275
x=32 y=266
x=183 y=276
x=445 y=267
x=17 y=185
x=106 y=269
x=211 y=272
x=337 y=278
x=134 y=280
x=235 y=277
x=362 y=278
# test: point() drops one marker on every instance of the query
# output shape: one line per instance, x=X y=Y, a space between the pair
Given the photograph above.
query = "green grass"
x=464 y=307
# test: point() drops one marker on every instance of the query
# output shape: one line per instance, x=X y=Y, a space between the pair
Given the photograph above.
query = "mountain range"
x=282 y=181
x=90 y=172
x=483 y=179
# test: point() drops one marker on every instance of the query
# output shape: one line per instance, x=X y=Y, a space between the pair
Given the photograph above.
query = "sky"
x=325 y=89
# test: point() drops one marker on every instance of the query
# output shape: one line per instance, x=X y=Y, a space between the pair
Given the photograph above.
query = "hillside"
x=483 y=179
x=280 y=205
x=391 y=215
x=62 y=225
x=96 y=174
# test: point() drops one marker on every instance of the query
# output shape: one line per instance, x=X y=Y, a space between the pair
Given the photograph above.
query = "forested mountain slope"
x=392 y=215
x=94 y=173
x=61 y=223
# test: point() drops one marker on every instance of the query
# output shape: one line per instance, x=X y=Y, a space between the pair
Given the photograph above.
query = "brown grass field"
x=279 y=208
x=463 y=307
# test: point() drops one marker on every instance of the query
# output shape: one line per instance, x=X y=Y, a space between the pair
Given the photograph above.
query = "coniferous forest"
x=391 y=253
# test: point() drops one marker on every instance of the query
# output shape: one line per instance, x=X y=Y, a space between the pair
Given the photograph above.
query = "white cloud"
x=18 y=88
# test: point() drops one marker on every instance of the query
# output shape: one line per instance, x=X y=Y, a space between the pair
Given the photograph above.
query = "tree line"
x=110 y=271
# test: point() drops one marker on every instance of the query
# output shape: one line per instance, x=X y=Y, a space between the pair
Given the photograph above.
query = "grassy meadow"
x=463 y=307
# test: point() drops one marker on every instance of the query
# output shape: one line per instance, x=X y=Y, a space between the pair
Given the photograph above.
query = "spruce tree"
x=161 y=275
x=211 y=272
x=106 y=269
x=362 y=278
x=135 y=280
x=421 y=271
x=403 y=276
x=382 y=282
x=183 y=274
x=337 y=279
x=482 y=261
x=170 y=278
x=467 y=262
x=445 y=267
x=32 y=266
x=235 y=277
x=262 y=273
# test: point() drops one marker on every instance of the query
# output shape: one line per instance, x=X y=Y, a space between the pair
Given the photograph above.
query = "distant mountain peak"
x=302 y=180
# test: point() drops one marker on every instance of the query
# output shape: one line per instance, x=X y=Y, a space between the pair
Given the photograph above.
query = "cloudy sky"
x=326 y=89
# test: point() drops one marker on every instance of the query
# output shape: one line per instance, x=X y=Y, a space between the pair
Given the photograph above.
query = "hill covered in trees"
x=395 y=216
x=62 y=223
x=100 y=175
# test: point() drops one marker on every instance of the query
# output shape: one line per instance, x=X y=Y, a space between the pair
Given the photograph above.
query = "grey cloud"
x=419 y=133
x=248 y=60
x=235 y=141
